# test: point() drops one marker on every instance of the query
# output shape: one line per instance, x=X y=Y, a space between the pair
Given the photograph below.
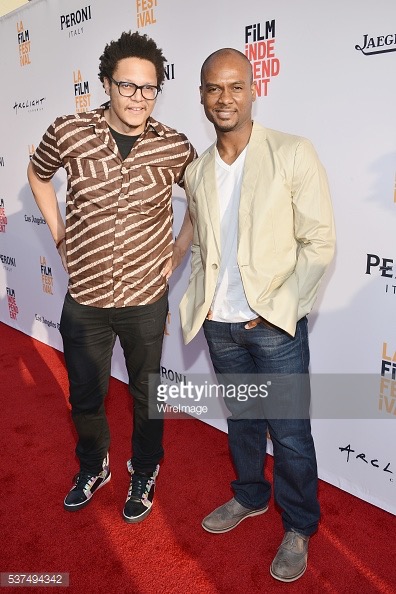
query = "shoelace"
x=138 y=486
x=293 y=541
x=83 y=479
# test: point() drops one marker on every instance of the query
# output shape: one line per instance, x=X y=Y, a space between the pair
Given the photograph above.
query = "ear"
x=106 y=85
x=253 y=89
x=201 y=94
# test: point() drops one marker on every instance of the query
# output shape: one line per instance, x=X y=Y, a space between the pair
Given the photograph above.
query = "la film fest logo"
x=9 y=262
x=2 y=164
x=71 y=22
x=382 y=44
x=12 y=305
x=260 y=51
x=387 y=395
x=24 y=44
x=82 y=96
x=383 y=267
x=3 y=217
x=46 y=276
x=145 y=12
x=31 y=150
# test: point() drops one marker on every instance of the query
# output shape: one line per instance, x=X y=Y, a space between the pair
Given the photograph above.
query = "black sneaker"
x=140 y=495
x=85 y=485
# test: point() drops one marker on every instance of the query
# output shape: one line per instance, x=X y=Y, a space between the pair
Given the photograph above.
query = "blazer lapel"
x=211 y=197
x=257 y=152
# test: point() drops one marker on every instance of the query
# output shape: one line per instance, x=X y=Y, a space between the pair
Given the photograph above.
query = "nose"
x=225 y=96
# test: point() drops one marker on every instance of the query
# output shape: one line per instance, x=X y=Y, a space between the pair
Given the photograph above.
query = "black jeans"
x=89 y=334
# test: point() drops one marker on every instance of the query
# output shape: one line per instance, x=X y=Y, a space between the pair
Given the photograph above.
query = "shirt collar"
x=99 y=121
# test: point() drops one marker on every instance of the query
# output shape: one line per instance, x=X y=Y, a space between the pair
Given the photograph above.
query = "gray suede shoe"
x=291 y=559
x=229 y=515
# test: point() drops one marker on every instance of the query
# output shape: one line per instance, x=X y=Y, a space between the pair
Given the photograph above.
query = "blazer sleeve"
x=313 y=224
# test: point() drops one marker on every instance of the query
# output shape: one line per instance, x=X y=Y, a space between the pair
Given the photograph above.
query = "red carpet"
x=169 y=553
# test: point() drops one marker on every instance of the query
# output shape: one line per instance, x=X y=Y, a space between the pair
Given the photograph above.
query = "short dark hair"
x=224 y=51
x=131 y=45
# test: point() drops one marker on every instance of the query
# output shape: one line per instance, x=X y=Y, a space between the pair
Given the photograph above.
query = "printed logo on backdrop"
x=31 y=150
x=260 y=51
x=366 y=458
x=3 y=216
x=43 y=320
x=382 y=44
x=2 y=164
x=73 y=22
x=169 y=71
x=170 y=376
x=46 y=276
x=8 y=262
x=385 y=269
x=34 y=220
x=30 y=105
x=387 y=395
x=12 y=305
x=387 y=404
x=145 y=12
x=82 y=96
x=23 y=44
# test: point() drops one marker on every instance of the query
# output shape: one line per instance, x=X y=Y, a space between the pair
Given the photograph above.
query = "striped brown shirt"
x=118 y=213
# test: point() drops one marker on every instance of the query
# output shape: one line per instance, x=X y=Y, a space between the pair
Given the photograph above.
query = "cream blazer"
x=286 y=234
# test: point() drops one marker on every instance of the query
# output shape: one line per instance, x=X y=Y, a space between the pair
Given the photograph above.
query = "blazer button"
x=214 y=266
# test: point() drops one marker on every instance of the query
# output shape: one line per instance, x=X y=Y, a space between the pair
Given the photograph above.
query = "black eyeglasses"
x=128 y=89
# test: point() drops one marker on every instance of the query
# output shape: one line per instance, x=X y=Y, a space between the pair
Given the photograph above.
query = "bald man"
x=263 y=236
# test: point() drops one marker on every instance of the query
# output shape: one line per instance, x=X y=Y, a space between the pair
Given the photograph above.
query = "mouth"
x=135 y=109
x=224 y=113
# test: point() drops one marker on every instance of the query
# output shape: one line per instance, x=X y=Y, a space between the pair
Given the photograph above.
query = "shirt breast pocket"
x=83 y=169
x=155 y=175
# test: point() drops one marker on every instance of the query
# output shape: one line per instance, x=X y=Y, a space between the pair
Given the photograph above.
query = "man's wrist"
x=182 y=249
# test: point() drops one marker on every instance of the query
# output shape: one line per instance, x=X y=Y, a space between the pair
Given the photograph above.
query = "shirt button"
x=214 y=266
x=124 y=171
x=122 y=196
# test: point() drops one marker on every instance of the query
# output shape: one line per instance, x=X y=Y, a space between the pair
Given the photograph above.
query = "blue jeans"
x=89 y=334
x=266 y=349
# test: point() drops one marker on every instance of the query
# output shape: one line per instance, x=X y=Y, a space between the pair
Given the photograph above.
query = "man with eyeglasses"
x=117 y=247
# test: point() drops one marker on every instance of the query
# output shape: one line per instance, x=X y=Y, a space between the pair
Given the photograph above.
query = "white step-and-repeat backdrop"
x=323 y=70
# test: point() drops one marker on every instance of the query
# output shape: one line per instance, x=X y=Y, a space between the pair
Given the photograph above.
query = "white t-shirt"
x=229 y=302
